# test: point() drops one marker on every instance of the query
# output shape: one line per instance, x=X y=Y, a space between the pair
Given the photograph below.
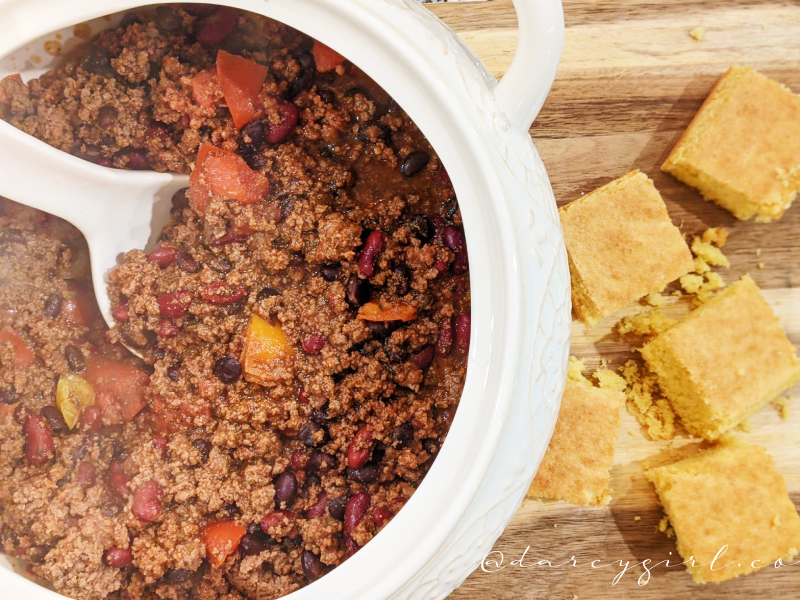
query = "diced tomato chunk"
x=204 y=88
x=222 y=539
x=39 y=444
x=23 y=357
x=224 y=174
x=241 y=80
x=372 y=311
x=166 y=419
x=120 y=389
x=326 y=59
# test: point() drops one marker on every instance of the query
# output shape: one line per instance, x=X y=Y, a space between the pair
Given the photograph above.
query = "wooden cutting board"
x=630 y=81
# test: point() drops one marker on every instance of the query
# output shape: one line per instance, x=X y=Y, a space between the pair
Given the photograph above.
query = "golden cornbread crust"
x=731 y=495
x=622 y=246
x=576 y=465
x=742 y=150
x=724 y=361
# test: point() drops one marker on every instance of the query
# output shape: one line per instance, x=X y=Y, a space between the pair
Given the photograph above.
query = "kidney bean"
x=381 y=516
x=355 y=510
x=463 y=322
x=277 y=132
x=367 y=474
x=174 y=304
x=76 y=361
x=444 y=177
x=180 y=200
x=91 y=420
x=200 y=10
x=39 y=445
x=286 y=488
x=8 y=396
x=402 y=434
x=438 y=226
x=358 y=291
x=177 y=575
x=213 y=29
x=107 y=116
x=299 y=460
x=254 y=541
x=220 y=264
x=360 y=448
x=118 y=558
x=267 y=292
x=137 y=160
x=228 y=369
x=277 y=518
x=312 y=434
x=424 y=357
x=117 y=478
x=167 y=19
x=312 y=566
x=157 y=131
x=52 y=305
x=330 y=272
x=376 y=241
x=228 y=238
x=167 y=328
x=252 y=136
x=85 y=474
x=146 y=504
x=54 y=419
x=414 y=163
x=163 y=257
x=221 y=294
x=314 y=343
x=320 y=462
x=453 y=238
x=445 y=341
x=301 y=395
x=337 y=508
x=120 y=313
x=382 y=328
x=203 y=447
x=160 y=444
x=318 y=510
x=187 y=263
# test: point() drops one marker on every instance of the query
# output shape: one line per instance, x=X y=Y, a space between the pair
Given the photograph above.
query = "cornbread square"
x=576 y=465
x=724 y=361
x=621 y=246
x=731 y=495
x=742 y=150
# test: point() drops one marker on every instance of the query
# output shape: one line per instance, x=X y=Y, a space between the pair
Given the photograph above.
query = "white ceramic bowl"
x=518 y=265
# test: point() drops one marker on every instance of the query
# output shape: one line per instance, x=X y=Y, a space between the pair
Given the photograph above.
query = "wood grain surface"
x=630 y=81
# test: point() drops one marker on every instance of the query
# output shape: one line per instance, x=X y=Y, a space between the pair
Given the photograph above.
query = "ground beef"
x=189 y=473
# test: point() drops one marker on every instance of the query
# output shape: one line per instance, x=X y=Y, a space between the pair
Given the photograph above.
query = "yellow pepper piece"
x=267 y=354
x=73 y=394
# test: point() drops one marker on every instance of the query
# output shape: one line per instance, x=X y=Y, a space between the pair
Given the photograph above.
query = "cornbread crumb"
x=698 y=33
x=716 y=235
x=745 y=426
x=621 y=245
x=655 y=299
x=742 y=148
x=575 y=369
x=730 y=495
x=637 y=518
x=709 y=253
x=663 y=524
x=700 y=266
x=608 y=380
x=691 y=283
x=782 y=404
x=645 y=402
x=647 y=323
x=758 y=251
x=724 y=361
x=761 y=265
x=577 y=463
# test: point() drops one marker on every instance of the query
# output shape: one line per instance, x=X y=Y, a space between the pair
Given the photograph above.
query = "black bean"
x=13 y=236
x=330 y=272
x=305 y=78
x=255 y=540
x=337 y=506
x=180 y=200
x=327 y=96
x=312 y=434
x=174 y=373
x=91 y=151
x=55 y=419
x=401 y=279
x=203 y=447
x=320 y=462
x=107 y=116
x=327 y=151
x=313 y=479
x=220 y=265
x=414 y=163
x=128 y=19
x=402 y=434
x=252 y=136
x=357 y=89
x=187 y=263
x=254 y=160
x=159 y=354
x=97 y=61
x=421 y=228
x=312 y=566
x=394 y=353
x=366 y=474
x=320 y=416
x=431 y=446
x=286 y=488
x=37 y=553
x=75 y=358
x=234 y=308
x=358 y=291
x=52 y=305
x=8 y=396
x=228 y=369
x=168 y=19
x=267 y=292
x=178 y=575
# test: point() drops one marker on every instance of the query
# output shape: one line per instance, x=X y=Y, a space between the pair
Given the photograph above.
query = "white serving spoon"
x=115 y=210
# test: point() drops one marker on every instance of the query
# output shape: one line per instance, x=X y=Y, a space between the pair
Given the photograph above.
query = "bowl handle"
x=523 y=89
